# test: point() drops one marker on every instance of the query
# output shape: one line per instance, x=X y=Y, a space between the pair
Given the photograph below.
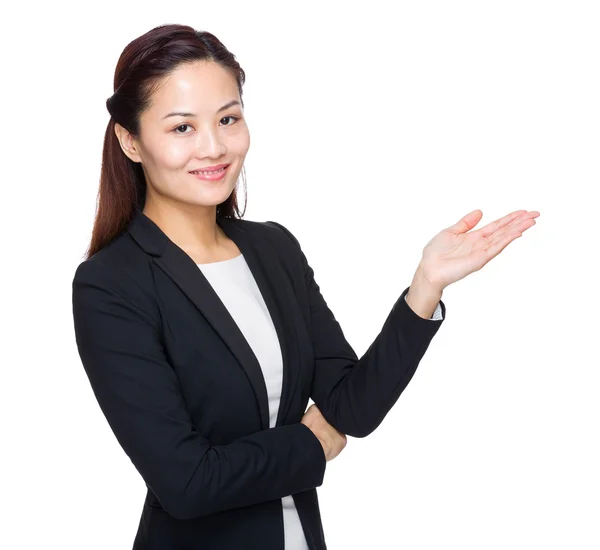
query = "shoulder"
x=119 y=270
x=269 y=229
x=118 y=258
x=280 y=229
x=271 y=233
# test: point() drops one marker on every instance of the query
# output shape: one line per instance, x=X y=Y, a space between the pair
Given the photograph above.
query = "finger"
x=467 y=222
x=492 y=227
x=516 y=227
x=500 y=241
x=500 y=244
x=519 y=222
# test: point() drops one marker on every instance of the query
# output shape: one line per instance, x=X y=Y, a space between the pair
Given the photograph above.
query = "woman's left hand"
x=453 y=253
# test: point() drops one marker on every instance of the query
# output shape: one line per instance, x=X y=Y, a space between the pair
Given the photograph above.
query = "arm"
x=354 y=395
x=423 y=298
x=138 y=391
x=437 y=313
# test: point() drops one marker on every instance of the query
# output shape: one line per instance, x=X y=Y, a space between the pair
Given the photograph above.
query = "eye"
x=231 y=116
x=235 y=118
x=180 y=126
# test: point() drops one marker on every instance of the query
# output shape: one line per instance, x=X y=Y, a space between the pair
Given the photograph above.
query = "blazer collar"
x=267 y=272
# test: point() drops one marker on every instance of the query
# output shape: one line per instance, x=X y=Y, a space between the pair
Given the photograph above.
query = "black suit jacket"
x=185 y=396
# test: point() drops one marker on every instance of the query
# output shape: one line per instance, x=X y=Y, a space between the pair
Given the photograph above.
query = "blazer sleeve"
x=354 y=395
x=119 y=342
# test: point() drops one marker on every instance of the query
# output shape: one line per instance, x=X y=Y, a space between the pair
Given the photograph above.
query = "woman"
x=204 y=335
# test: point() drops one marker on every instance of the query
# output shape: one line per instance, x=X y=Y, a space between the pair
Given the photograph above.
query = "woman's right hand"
x=333 y=442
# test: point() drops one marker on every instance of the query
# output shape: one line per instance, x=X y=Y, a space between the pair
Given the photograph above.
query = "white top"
x=234 y=283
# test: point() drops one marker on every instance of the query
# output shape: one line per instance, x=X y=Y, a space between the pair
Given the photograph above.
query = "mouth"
x=211 y=175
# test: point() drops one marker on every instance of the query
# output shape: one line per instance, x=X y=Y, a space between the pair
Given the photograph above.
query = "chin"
x=207 y=199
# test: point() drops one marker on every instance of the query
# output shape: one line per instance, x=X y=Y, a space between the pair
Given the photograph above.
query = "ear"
x=127 y=142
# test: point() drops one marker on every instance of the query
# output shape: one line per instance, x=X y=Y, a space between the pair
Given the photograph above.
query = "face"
x=208 y=130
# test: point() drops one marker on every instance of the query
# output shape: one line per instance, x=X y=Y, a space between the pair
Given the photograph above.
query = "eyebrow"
x=180 y=113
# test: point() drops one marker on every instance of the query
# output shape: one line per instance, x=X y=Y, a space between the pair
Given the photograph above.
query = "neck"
x=192 y=228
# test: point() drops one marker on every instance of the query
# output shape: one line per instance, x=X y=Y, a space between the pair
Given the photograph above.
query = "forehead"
x=201 y=86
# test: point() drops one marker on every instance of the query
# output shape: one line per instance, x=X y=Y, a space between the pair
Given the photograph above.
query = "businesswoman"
x=204 y=335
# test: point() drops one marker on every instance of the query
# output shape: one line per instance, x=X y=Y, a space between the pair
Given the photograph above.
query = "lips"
x=210 y=168
x=211 y=176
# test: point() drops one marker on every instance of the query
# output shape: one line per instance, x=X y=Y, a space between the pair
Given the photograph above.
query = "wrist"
x=423 y=296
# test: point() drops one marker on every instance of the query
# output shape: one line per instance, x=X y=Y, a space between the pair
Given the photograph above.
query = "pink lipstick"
x=211 y=173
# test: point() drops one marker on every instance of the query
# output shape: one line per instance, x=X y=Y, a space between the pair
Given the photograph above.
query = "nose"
x=210 y=143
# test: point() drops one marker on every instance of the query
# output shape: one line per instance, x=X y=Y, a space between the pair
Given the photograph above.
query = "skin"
x=185 y=207
x=332 y=440
x=456 y=252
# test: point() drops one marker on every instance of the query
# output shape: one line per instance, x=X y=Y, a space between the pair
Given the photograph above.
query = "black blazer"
x=185 y=396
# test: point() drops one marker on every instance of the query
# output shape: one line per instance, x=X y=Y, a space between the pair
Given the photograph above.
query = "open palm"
x=455 y=252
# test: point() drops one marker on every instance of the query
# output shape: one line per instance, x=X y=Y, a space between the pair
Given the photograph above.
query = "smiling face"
x=208 y=129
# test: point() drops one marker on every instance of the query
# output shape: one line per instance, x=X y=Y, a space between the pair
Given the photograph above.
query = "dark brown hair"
x=141 y=67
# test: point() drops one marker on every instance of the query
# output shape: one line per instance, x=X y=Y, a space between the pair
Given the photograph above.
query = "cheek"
x=240 y=143
x=175 y=154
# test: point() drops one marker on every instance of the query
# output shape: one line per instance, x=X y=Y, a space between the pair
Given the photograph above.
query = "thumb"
x=467 y=222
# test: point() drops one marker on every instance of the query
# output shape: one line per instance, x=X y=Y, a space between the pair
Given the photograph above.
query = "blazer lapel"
x=180 y=267
x=269 y=276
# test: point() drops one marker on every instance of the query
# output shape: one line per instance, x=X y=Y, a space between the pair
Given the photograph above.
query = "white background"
x=374 y=126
